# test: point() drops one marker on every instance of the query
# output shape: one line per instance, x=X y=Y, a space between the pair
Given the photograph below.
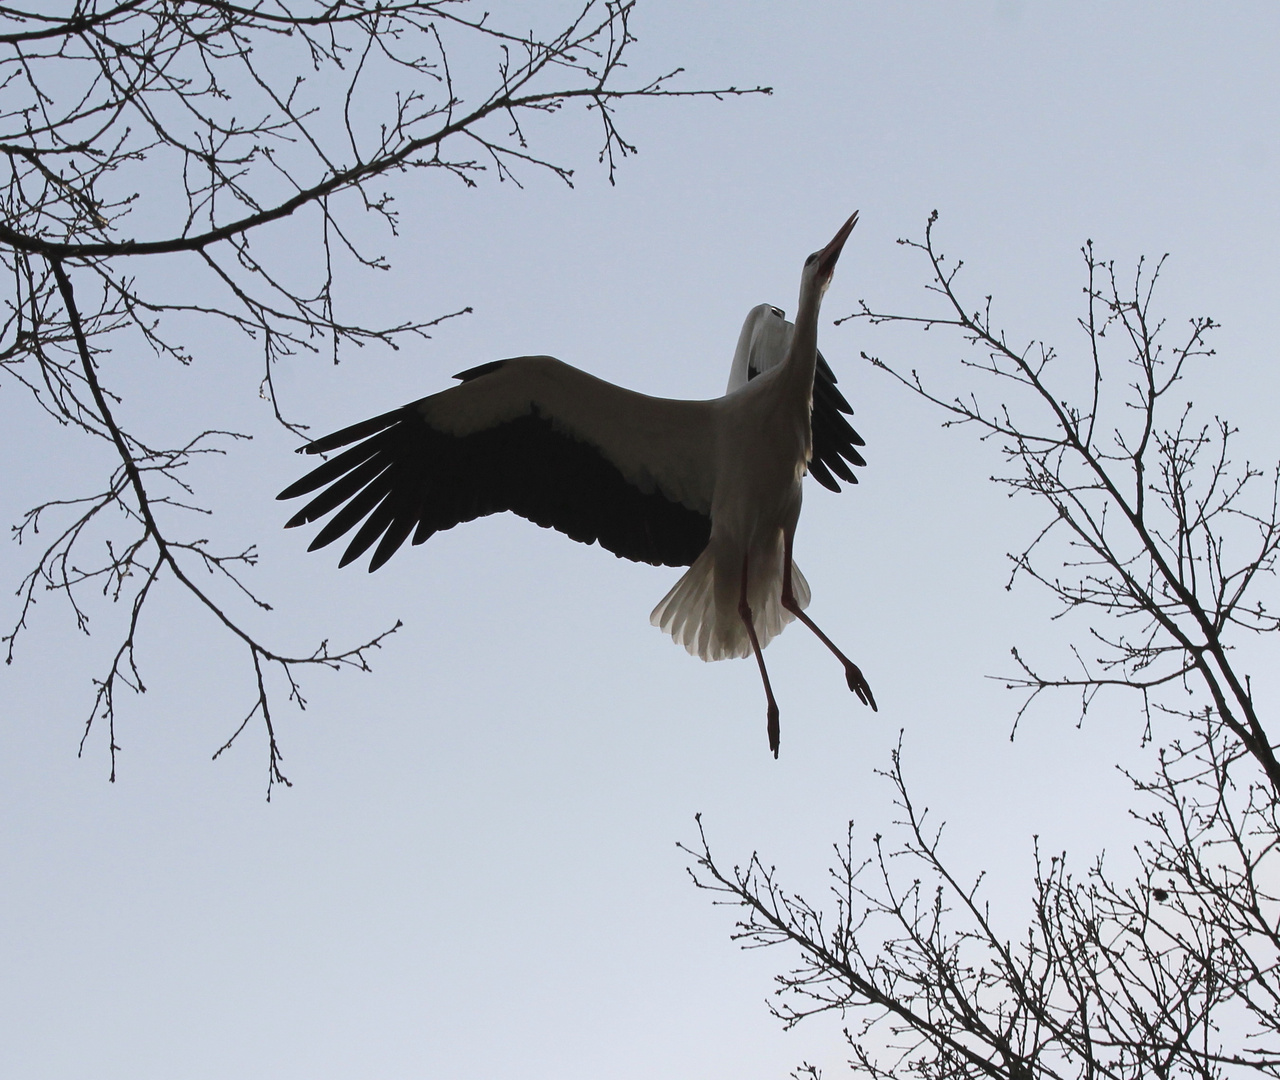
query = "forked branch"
x=1150 y=522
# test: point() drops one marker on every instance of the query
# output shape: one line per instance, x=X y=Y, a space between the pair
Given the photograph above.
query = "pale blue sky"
x=475 y=874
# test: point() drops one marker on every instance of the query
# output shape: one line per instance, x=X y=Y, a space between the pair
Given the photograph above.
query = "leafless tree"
x=1167 y=547
x=183 y=136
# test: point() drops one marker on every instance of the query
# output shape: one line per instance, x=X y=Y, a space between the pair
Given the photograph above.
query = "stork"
x=711 y=485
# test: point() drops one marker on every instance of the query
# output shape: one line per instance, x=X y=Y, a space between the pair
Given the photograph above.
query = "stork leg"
x=852 y=673
x=744 y=613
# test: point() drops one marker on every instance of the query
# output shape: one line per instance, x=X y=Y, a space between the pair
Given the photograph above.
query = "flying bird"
x=711 y=485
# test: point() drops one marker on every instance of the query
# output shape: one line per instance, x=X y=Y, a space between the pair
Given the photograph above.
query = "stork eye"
x=778 y=312
x=811 y=258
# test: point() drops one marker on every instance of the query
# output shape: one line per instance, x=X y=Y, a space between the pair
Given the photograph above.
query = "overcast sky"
x=475 y=872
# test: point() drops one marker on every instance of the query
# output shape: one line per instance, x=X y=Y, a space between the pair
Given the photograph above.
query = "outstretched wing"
x=765 y=338
x=531 y=435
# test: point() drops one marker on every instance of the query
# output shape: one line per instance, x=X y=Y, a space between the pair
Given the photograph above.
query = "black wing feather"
x=375 y=525
x=330 y=470
x=833 y=437
x=395 y=535
x=336 y=494
x=350 y=434
x=404 y=476
x=355 y=511
x=819 y=472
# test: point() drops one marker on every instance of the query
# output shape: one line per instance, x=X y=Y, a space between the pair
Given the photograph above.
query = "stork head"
x=819 y=266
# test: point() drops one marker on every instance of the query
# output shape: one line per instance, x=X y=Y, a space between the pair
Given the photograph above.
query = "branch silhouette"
x=1172 y=970
x=149 y=135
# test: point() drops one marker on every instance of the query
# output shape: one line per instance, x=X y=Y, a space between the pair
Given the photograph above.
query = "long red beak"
x=828 y=255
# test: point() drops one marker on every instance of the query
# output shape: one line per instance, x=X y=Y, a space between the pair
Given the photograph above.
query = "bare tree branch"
x=1172 y=969
x=1154 y=521
x=186 y=135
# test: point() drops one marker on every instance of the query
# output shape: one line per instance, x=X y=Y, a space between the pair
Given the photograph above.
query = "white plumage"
x=712 y=485
x=698 y=614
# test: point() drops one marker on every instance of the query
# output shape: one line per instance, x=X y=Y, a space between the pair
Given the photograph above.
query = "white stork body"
x=712 y=485
x=759 y=460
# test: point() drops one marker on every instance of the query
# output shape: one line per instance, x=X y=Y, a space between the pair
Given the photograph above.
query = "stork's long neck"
x=802 y=357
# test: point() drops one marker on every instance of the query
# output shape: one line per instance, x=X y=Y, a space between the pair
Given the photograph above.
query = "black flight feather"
x=833 y=437
x=404 y=476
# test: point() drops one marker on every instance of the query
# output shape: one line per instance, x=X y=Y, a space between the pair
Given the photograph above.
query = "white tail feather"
x=701 y=610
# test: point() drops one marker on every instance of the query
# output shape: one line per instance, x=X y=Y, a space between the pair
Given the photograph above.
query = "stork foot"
x=852 y=673
x=858 y=684
x=775 y=731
